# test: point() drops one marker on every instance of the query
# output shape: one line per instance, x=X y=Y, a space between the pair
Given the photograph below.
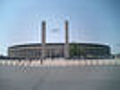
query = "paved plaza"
x=59 y=77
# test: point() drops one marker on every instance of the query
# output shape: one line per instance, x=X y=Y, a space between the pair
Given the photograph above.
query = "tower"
x=66 y=45
x=43 y=38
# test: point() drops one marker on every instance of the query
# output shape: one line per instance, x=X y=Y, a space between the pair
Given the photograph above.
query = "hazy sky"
x=94 y=21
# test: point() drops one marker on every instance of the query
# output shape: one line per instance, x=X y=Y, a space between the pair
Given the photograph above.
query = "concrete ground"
x=60 y=78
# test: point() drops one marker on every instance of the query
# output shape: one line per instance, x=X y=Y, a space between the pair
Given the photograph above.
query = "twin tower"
x=66 y=45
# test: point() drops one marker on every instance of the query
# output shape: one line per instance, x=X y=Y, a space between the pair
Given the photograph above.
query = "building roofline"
x=39 y=44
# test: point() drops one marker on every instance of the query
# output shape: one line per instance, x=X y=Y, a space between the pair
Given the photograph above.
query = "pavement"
x=60 y=78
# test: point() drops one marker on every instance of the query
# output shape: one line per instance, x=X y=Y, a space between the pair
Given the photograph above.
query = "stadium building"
x=55 y=50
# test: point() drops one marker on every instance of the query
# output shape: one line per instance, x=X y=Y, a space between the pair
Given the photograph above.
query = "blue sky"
x=93 y=21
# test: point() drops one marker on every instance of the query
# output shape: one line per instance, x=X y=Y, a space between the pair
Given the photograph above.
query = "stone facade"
x=34 y=51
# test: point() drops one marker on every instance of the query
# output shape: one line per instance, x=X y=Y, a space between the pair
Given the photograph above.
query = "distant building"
x=117 y=56
x=52 y=50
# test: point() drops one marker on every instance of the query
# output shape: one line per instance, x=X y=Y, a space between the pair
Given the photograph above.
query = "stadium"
x=55 y=50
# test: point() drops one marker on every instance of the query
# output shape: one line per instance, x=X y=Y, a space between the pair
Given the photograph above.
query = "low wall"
x=61 y=62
